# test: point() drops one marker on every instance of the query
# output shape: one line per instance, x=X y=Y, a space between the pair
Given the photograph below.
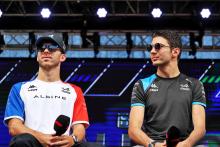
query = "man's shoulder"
x=149 y=78
x=191 y=81
x=189 y=78
x=146 y=82
x=19 y=84
x=76 y=87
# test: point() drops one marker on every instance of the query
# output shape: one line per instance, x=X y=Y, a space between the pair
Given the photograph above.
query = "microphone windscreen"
x=61 y=124
x=172 y=136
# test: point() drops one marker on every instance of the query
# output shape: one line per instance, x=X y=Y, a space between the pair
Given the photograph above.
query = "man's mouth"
x=154 y=58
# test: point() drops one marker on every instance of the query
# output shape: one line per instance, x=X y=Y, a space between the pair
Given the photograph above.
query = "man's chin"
x=46 y=65
x=156 y=63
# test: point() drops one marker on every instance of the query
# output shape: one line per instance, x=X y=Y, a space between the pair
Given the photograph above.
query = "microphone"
x=61 y=124
x=172 y=136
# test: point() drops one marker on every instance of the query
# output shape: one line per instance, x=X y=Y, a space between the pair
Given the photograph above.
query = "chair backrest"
x=100 y=138
x=125 y=140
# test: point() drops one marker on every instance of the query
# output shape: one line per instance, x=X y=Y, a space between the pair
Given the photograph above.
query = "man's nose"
x=46 y=50
x=153 y=50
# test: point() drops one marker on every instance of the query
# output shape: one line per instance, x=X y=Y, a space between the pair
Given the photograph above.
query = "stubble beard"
x=48 y=67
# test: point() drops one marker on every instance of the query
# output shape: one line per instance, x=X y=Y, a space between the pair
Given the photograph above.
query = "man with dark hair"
x=173 y=39
x=167 y=99
x=33 y=106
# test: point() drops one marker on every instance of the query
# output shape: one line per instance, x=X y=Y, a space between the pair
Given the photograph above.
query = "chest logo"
x=153 y=87
x=184 y=87
x=32 y=88
x=66 y=90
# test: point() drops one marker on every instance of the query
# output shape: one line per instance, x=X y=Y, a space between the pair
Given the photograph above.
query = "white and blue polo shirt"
x=38 y=104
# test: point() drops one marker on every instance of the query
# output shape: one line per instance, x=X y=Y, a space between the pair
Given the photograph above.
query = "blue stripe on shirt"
x=199 y=103
x=148 y=81
x=15 y=104
x=138 y=104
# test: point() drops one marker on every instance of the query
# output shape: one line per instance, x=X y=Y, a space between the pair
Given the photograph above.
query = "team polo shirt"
x=38 y=104
x=168 y=102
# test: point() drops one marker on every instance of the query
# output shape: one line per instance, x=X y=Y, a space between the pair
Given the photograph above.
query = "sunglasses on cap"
x=50 y=47
x=157 y=46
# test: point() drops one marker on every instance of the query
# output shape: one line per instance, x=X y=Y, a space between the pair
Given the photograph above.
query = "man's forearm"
x=80 y=135
x=139 y=137
x=16 y=128
x=20 y=129
x=195 y=136
x=79 y=131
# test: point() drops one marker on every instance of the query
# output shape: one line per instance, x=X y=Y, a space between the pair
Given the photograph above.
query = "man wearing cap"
x=33 y=106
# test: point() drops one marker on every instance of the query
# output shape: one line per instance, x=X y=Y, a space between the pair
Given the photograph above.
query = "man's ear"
x=37 y=57
x=62 y=57
x=175 y=52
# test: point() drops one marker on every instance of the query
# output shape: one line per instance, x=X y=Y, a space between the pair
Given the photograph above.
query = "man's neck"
x=168 y=71
x=49 y=75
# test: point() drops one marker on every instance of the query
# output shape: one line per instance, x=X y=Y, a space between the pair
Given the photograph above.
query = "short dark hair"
x=172 y=37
